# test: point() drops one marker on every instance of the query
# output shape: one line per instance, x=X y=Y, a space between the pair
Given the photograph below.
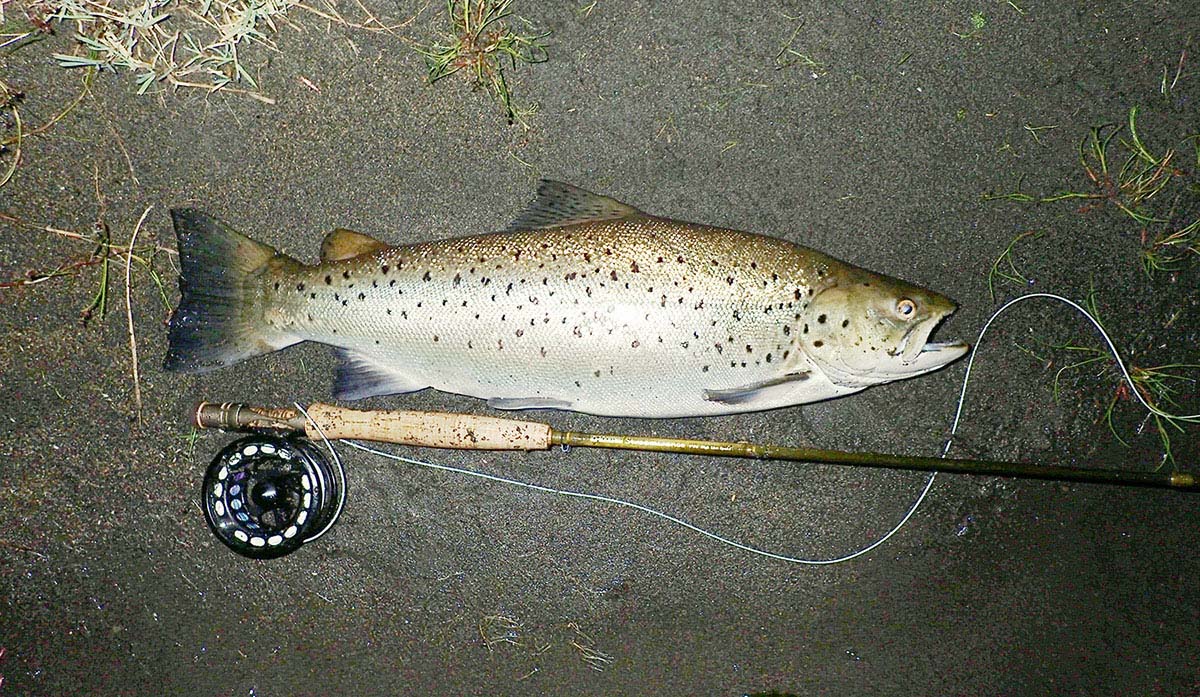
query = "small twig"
x=137 y=387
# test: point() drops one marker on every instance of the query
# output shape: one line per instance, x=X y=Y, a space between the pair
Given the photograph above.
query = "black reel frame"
x=265 y=496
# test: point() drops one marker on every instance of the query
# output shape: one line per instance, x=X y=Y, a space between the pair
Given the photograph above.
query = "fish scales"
x=600 y=308
x=588 y=315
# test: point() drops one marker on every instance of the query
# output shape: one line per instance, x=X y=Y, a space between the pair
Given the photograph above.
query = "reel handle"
x=405 y=427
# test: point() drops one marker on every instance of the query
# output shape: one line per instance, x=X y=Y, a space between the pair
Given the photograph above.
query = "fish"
x=583 y=303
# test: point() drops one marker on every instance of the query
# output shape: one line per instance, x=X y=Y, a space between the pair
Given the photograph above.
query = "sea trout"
x=583 y=303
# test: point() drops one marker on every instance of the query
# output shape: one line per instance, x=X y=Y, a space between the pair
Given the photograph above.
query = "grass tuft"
x=1158 y=385
x=1152 y=189
x=174 y=43
x=477 y=45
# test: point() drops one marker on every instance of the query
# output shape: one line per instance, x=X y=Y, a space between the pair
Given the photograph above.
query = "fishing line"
x=1191 y=418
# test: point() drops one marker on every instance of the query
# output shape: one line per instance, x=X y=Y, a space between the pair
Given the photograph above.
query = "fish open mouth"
x=921 y=354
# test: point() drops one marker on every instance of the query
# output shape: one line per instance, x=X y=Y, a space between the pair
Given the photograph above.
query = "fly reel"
x=264 y=496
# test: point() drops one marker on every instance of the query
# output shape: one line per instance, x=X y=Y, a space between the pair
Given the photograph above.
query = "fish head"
x=863 y=329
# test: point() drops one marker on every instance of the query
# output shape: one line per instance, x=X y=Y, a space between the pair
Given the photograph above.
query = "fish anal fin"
x=359 y=376
x=746 y=394
x=558 y=205
x=512 y=403
x=342 y=244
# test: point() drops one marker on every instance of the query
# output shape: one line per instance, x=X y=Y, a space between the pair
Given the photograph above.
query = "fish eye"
x=906 y=308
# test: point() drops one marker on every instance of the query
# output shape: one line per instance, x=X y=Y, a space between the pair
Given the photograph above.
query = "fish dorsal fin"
x=558 y=205
x=346 y=244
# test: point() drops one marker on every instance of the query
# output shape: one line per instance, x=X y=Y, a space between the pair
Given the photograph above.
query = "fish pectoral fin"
x=558 y=205
x=359 y=376
x=342 y=244
x=510 y=403
x=748 y=393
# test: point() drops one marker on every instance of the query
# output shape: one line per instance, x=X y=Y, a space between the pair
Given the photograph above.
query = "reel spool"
x=264 y=496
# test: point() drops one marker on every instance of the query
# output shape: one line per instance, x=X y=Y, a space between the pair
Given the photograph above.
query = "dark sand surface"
x=112 y=584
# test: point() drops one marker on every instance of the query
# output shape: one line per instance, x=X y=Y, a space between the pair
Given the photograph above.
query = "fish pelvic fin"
x=219 y=320
x=558 y=205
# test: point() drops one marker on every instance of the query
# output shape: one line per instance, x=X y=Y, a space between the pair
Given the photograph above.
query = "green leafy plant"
x=1158 y=191
x=1158 y=385
x=477 y=46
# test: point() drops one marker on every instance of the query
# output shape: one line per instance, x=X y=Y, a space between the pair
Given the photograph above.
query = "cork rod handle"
x=418 y=428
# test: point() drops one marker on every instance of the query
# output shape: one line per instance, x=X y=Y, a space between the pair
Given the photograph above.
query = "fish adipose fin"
x=344 y=244
x=747 y=394
x=558 y=205
x=511 y=403
x=219 y=319
x=358 y=377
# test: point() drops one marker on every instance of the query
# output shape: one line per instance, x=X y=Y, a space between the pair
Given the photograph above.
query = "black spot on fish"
x=768 y=358
x=374 y=283
x=754 y=264
x=457 y=279
x=345 y=303
x=729 y=280
x=787 y=329
x=362 y=296
x=786 y=353
x=748 y=349
x=636 y=343
x=820 y=319
x=384 y=269
x=719 y=348
x=312 y=296
x=660 y=260
x=392 y=283
x=634 y=267
x=704 y=369
x=596 y=374
x=426 y=277
x=520 y=332
x=818 y=343
x=328 y=279
x=845 y=323
x=542 y=351
x=613 y=275
x=805 y=328
x=300 y=286
x=420 y=303
x=336 y=297
x=389 y=310
x=346 y=275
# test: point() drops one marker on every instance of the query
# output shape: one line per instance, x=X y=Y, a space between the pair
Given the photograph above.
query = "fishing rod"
x=267 y=494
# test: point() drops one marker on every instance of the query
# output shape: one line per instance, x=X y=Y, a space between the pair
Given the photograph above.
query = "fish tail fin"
x=219 y=320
